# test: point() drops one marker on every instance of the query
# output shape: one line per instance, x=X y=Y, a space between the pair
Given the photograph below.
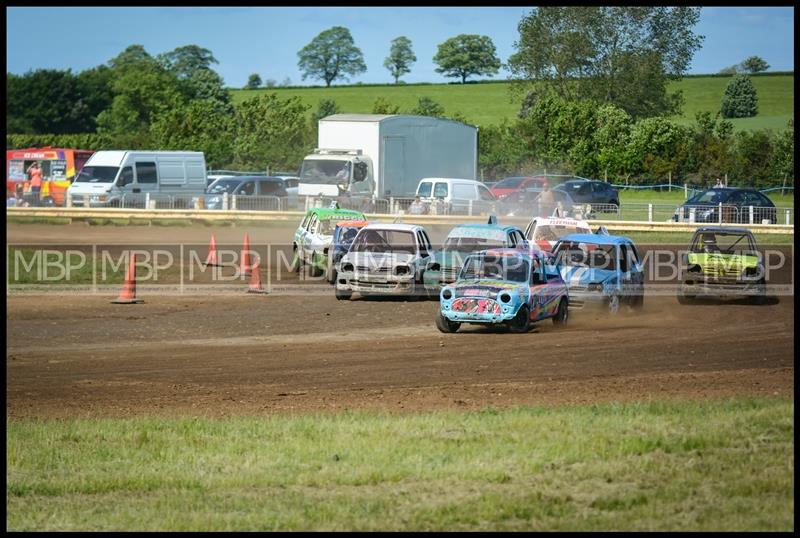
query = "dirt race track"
x=80 y=356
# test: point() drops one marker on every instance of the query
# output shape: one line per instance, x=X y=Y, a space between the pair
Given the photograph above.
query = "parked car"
x=314 y=236
x=458 y=195
x=723 y=261
x=242 y=186
x=601 y=271
x=343 y=236
x=517 y=183
x=602 y=195
x=544 y=232
x=735 y=202
x=509 y=287
x=464 y=239
x=385 y=259
x=526 y=203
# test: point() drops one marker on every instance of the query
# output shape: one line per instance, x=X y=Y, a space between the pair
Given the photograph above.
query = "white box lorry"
x=374 y=155
x=110 y=175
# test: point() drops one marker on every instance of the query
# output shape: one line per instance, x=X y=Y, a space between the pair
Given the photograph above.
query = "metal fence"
x=642 y=212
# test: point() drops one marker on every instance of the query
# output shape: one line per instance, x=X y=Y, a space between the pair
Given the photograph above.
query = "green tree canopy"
x=253 y=82
x=331 y=55
x=466 y=55
x=427 y=107
x=623 y=55
x=271 y=132
x=755 y=64
x=187 y=60
x=740 y=99
x=400 y=58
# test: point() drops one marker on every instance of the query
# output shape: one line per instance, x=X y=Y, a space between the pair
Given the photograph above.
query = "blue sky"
x=265 y=40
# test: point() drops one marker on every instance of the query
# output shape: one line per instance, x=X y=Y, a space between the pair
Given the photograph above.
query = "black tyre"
x=445 y=325
x=613 y=305
x=521 y=322
x=637 y=301
x=296 y=263
x=343 y=295
x=562 y=314
x=760 y=298
x=312 y=269
x=684 y=298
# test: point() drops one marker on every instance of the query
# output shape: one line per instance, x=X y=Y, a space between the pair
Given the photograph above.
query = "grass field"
x=490 y=103
x=722 y=465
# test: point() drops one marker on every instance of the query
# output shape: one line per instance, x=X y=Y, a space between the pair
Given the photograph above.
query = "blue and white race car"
x=601 y=270
x=510 y=287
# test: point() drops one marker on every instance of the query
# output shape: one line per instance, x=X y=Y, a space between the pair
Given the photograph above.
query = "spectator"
x=416 y=207
x=368 y=206
x=441 y=206
x=35 y=172
x=547 y=201
x=719 y=183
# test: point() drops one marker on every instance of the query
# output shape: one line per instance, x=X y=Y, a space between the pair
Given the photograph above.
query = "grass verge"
x=715 y=465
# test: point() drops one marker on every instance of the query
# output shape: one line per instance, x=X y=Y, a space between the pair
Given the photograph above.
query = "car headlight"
x=402 y=270
x=347 y=268
x=505 y=297
x=435 y=267
x=447 y=294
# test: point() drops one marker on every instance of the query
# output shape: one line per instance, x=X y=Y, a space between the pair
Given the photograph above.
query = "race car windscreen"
x=467 y=240
x=483 y=267
x=384 y=241
x=554 y=232
x=586 y=255
x=723 y=243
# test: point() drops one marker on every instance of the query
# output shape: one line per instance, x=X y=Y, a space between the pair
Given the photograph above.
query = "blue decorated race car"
x=601 y=270
x=507 y=287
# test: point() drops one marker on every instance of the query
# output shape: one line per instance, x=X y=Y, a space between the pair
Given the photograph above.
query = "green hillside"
x=489 y=103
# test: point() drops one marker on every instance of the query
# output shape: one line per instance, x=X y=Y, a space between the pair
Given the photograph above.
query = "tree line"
x=593 y=82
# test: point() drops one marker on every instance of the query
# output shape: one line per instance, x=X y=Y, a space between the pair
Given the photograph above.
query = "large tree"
x=755 y=64
x=623 y=55
x=400 y=58
x=740 y=99
x=253 y=82
x=466 y=55
x=331 y=55
x=187 y=60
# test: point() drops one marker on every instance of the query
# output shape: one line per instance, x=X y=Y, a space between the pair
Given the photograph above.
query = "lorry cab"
x=330 y=172
x=108 y=176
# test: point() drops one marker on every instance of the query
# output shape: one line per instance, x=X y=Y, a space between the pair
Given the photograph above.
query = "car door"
x=424 y=249
x=543 y=291
x=308 y=233
x=631 y=276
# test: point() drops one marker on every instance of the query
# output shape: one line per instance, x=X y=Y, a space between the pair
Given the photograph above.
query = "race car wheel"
x=684 y=298
x=761 y=296
x=521 y=322
x=312 y=269
x=445 y=325
x=562 y=314
x=637 y=301
x=331 y=275
x=295 y=267
x=343 y=295
x=613 y=305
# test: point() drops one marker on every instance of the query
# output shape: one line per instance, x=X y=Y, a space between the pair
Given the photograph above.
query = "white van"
x=108 y=176
x=459 y=195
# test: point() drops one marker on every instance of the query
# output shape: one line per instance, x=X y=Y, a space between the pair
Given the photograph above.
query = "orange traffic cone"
x=247 y=266
x=212 y=260
x=255 y=282
x=128 y=293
